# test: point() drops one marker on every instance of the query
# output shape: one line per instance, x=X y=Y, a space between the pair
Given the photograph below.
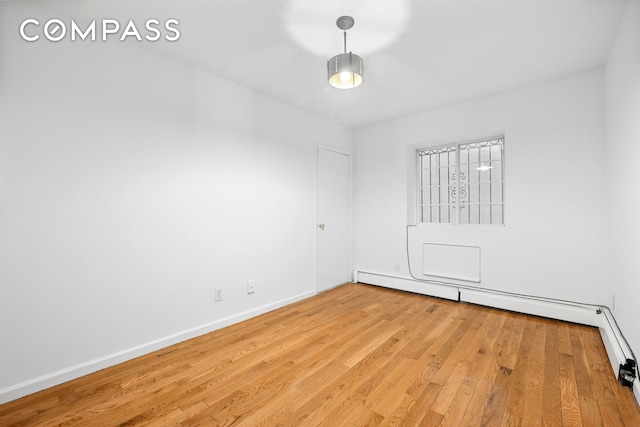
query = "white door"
x=333 y=217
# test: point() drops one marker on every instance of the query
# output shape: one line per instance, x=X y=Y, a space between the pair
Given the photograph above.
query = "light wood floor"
x=356 y=355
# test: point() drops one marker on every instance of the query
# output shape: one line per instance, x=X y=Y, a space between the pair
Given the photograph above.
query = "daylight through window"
x=462 y=183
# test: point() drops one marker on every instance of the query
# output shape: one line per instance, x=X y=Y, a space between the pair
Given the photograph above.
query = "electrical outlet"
x=251 y=286
x=397 y=267
x=218 y=295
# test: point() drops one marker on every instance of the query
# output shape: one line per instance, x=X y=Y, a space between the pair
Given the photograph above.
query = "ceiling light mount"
x=345 y=23
x=345 y=70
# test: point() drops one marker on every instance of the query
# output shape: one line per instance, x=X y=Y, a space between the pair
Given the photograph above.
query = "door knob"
x=321 y=226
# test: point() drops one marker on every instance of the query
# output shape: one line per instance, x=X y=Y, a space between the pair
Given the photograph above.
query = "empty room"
x=305 y=212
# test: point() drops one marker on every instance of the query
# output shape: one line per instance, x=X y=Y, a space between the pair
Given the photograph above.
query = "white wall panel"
x=622 y=154
x=553 y=243
x=131 y=187
x=451 y=261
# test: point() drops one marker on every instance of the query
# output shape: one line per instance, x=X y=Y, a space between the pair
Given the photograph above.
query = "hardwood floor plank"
x=480 y=399
x=515 y=402
x=446 y=357
x=466 y=341
x=418 y=410
x=355 y=355
x=459 y=403
x=389 y=392
x=510 y=344
x=534 y=381
x=510 y=420
x=584 y=383
x=571 y=415
x=449 y=390
x=551 y=396
x=481 y=361
x=497 y=401
x=590 y=412
x=564 y=339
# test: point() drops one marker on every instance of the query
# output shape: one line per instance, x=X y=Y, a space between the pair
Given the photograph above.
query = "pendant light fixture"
x=345 y=70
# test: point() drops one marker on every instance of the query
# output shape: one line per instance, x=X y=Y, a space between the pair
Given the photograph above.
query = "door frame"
x=316 y=219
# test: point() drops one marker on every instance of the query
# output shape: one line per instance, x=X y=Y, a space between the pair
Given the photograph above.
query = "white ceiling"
x=417 y=53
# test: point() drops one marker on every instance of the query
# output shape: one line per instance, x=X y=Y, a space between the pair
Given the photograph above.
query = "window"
x=462 y=183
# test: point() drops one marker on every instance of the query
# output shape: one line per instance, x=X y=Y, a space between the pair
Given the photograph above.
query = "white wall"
x=131 y=186
x=622 y=83
x=554 y=243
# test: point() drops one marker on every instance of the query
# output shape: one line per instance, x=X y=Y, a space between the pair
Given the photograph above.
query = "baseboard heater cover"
x=585 y=315
x=409 y=285
x=576 y=313
x=616 y=346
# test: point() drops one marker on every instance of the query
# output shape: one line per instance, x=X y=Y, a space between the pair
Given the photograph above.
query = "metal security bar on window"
x=462 y=183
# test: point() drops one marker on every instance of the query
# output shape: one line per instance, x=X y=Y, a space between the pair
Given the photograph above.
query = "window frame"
x=455 y=219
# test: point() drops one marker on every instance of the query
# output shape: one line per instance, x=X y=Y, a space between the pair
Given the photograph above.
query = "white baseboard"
x=600 y=317
x=59 y=377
